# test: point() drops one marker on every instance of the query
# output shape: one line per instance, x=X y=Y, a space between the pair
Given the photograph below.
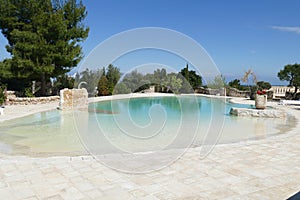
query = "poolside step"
x=248 y=112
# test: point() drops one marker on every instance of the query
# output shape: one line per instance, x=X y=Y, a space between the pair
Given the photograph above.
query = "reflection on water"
x=134 y=125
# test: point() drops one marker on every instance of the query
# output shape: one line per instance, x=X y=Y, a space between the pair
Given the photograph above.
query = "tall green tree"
x=103 y=89
x=113 y=75
x=191 y=77
x=44 y=37
x=291 y=73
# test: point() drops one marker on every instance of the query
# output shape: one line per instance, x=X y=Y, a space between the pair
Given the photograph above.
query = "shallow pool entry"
x=135 y=125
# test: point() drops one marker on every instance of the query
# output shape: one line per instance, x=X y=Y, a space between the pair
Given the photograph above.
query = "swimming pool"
x=136 y=125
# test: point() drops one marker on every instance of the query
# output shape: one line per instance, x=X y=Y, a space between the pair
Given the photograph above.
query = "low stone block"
x=248 y=112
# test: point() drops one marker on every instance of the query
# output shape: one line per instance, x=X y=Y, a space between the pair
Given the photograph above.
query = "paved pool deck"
x=259 y=169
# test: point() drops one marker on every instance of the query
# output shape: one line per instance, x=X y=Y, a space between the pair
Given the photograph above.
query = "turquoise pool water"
x=135 y=125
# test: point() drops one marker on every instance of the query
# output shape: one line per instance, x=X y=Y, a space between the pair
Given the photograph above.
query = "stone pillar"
x=73 y=99
x=260 y=101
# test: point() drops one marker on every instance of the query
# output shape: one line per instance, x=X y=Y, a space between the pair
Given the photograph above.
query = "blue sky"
x=260 y=34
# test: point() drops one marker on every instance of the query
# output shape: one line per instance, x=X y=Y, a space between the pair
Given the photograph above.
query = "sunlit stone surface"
x=247 y=112
x=73 y=98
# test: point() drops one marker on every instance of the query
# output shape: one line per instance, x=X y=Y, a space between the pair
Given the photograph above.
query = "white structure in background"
x=279 y=91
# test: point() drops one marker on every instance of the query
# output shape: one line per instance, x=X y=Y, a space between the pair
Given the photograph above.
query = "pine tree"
x=113 y=75
x=44 y=37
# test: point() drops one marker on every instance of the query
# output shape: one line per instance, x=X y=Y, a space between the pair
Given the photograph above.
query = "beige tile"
x=264 y=169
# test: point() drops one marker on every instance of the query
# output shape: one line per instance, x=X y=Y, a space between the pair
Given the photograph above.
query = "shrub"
x=2 y=94
x=253 y=90
x=28 y=92
x=262 y=85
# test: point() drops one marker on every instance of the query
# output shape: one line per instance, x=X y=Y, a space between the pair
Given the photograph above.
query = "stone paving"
x=17 y=111
x=262 y=169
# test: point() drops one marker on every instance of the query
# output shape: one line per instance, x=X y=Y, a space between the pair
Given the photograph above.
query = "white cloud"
x=294 y=29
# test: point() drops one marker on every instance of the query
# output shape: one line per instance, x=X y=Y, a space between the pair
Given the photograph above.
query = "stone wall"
x=217 y=92
x=11 y=94
x=73 y=98
x=11 y=100
x=201 y=90
x=233 y=92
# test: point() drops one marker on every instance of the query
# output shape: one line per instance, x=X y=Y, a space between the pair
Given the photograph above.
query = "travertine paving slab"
x=262 y=169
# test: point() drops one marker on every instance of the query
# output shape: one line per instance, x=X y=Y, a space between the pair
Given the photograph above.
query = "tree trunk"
x=295 y=93
x=43 y=85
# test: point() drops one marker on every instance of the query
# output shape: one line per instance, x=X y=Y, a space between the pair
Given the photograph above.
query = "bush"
x=253 y=90
x=262 y=85
x=235 y=84
x=2 y=94
x=121 y=88
x=28 y=92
